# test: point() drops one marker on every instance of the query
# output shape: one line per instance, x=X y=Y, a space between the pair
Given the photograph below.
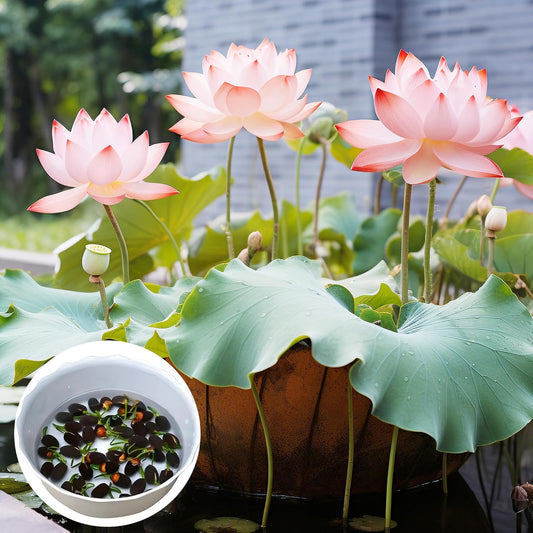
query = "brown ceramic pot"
x=306 y=408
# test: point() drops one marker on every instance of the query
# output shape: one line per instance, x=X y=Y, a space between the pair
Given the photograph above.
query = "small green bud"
x=95 y=260
x=484 y=205
x=496 y=219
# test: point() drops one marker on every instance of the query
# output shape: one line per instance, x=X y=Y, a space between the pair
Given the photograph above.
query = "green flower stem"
x=324 y=146
x=166 y=229
x=229 y=236
x=482 y=240
x=298 y=214
x=490 y=261
x=445 y=473
x=405 y=242
x=122 y=244
x=495 y=189
x=103 y=297
x=390 y=475
x=351 y=447
x=428 y=284
x=377 y=197
x=269 y=451
x=270 y=183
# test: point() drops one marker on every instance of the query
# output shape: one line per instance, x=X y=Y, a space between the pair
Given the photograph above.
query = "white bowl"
x=97 y=369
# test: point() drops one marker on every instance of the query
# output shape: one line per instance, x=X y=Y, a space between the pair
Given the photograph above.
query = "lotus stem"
x=495 y=189
x=444 y=221
x=229 y=236
x=324 y=146
x=300 y=245
x=390 y=476
x=428 y=283
x=490 y=260
x=377 y=197
x=445 y=473
x=166 y=229
x=272 y=190
x=351 y=447
x=103 y=297
x=269 y=451
x=405 y=243
x=122 y=244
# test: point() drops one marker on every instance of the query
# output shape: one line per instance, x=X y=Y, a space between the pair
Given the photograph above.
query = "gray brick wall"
x=344 y=41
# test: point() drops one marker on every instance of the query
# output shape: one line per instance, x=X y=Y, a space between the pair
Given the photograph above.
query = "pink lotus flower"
x=520 y=137
x=252 y=89
x=98 y=158
x=426 y=123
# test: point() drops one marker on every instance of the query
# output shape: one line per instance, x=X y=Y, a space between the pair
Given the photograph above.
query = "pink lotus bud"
x=496 y=219
x=255 y=240
x=484 y=205
x=95 y=259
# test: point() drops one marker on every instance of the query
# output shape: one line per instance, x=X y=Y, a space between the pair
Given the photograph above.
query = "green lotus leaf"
x=370 y=239
x=515 y=163
x=460 y=372
x=369 y=282
x=394 y=175
x=308 y=148
x=417 y=237
x=343 y=152
x=288 y=227
x=141 y=231
x=518 y=223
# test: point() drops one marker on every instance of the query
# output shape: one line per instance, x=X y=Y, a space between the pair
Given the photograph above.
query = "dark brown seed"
x=70 y=451
x=100 y=491
x=88 y=434
x=147 y=415
x=138 y=486
x=73 y=426
x=78 y=483
x=140 y=405
x=95 y=458
x=159 y=456
x=77 y=409
x=165 y=475
x=156 y=441
x=131 y=467
x=113 y=420
x=171 y=441
x=162 y=423
x=173 y=459
x=50 y=441
x=67 y=485
x=109 y=467
x=94 y=404
x=118 y=456
x=151 y=475
x=85 y=471
x=44 y=452
x=124 y=431
x=46 y=468
x=121 y=480
x=88 y=420
x=74 y=439
x=106 y=403
x=59 y=471
x=101 y=431
x=119 y=400
x=151 y=427
x=140 y=429
x=64 y=416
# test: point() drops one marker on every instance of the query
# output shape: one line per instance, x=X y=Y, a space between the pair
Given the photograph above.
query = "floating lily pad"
x=369 y=523
x=226 y=524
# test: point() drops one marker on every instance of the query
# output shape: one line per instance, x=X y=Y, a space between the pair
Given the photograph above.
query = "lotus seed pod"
x=95 y=259
x=484 y=205
x=496 y=219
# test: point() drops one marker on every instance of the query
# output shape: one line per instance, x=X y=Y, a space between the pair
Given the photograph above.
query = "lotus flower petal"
x=98 y=158
x=257 y=89
x=458 y=158
x=148 y=191
x=61 y=201
x=447 y=119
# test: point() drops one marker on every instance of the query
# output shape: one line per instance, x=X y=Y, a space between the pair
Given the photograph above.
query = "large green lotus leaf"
x=369 y=282
x=515 y=163
x=141 y=231
x=27 y=336
x=518 y=223
x=208 y=246
x=417 y=237
x=370 y=239
x=515 y=254
x=460 y=373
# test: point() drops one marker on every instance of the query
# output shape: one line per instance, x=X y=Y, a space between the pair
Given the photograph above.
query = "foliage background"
x=58 y=56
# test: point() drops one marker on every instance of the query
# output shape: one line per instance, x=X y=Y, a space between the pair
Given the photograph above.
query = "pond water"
x=423 y=509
